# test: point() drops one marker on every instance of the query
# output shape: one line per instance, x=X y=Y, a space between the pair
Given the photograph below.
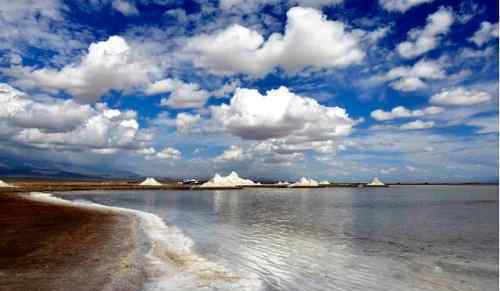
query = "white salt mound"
x=150 y=182
x=231 y=180
x=304 y=182
x=3 y=184
x=282 y=183
x=376 y=182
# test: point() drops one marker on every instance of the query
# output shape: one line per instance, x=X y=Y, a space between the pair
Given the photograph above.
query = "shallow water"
x=396 y=238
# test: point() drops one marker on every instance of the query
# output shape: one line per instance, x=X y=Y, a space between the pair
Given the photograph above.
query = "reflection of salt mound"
x=231 y=180
x=324 y=183
x=304 y=182
x=375 y=182
x=150 y=182
x=3 y=184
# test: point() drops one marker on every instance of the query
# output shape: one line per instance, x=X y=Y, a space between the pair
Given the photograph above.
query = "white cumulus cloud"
x=52 y=115
x=109 y=65
x=185 y=121
x=402 y=112
x=226 y=89
x=125 y=7
x=182 y=95
x=289 y=122
x=169 y=153
x=486 y=32
x=417 y=124
x=423 y=40
x=408 y=84
x=233 y=153
x=401 y=5
x=309 y=40
x=460 y=96
x=64 y=124
x=411 y=78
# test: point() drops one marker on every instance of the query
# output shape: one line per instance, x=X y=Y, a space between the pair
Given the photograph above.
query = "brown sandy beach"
x=47 y=246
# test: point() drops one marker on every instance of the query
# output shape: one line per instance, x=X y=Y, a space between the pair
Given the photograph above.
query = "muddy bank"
x=47 y=246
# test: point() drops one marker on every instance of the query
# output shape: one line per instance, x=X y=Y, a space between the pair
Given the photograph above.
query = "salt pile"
x=3 y=184
x=375 y=182
x=150 y=182
x=304 y=182
x=231 y=180
x=282 y=183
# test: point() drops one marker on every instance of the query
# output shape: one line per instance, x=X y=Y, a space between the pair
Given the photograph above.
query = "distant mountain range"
x=16 y=168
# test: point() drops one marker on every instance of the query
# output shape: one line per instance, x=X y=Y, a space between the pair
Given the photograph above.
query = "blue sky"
x=406 y=90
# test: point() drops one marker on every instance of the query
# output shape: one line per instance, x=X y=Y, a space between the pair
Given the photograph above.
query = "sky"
x=405 y=90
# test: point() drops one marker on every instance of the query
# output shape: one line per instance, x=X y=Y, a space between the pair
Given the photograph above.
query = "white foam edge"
x=171 y=263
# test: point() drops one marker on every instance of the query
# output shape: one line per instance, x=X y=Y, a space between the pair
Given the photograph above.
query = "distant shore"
x=50 y=246
x=24 y=186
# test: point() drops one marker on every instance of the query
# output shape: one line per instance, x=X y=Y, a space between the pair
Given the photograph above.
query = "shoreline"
x=50 y=243
x=59 y=246
x=66 y=185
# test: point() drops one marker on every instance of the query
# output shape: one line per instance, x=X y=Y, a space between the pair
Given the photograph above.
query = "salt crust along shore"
x=169 y=262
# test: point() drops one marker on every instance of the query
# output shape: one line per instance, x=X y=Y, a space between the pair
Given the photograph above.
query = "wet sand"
x=47 y=246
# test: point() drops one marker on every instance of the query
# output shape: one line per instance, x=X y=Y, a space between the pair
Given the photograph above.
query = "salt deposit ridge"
x=231 y=180
x=170 y=263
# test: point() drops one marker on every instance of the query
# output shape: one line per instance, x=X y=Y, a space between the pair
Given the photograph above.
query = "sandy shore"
x=47 y=243
x=47 y=246
x=25 y=186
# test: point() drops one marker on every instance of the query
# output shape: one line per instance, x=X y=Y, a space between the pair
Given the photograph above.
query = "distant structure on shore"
x=189 y=182
x=376 y=183
x=324 y=183
x=304 y=182
x=230 y=181
x=150 y=182
x=3 y=184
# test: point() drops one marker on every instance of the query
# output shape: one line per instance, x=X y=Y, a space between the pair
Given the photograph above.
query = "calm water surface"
x=397 y=238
